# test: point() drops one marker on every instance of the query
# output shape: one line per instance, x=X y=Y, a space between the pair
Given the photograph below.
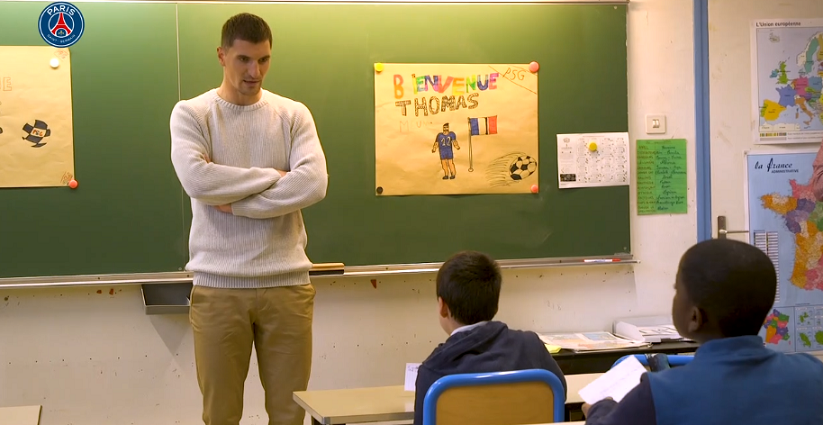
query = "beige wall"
x=732 y=122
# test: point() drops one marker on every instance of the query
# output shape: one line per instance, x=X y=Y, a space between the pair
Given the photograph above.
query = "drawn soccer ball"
x=522 y=167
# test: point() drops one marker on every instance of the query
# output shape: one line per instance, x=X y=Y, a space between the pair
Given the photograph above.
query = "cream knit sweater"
x=262 y=242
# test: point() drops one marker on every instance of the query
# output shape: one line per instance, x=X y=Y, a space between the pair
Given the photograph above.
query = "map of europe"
x=803 y=91
x=789 y=81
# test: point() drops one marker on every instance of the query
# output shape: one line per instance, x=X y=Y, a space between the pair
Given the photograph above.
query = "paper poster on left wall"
x=36 y=132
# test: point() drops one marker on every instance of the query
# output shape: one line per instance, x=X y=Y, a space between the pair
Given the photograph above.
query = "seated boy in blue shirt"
x=723 y=291
x=468 y=290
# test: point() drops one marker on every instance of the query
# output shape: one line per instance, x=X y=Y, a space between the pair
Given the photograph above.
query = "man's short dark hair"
x=734 y=282
x=247 y=27
x=469 y=283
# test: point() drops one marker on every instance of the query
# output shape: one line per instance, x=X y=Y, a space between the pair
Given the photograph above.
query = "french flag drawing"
x=484 y=125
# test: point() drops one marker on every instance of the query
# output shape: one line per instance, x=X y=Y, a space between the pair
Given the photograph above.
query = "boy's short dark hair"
x=469 y=283
x=732 y=281
x=247 y=27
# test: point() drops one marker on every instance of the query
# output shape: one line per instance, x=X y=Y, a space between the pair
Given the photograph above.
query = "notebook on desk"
x=589 y=341
x=652 y=329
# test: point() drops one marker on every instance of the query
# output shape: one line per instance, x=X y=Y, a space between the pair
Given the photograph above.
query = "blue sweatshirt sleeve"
x=636 y=408
x=553 y=367
x=425 y=378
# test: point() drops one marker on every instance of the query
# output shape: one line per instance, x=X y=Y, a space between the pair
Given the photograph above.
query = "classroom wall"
x=94 y=357
x=732 y=123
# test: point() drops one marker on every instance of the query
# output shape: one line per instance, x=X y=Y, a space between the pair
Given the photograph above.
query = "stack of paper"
x=590 y=341
x=649 y=329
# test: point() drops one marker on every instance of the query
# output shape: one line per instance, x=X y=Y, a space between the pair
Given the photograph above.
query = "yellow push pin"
x=378 y=67
x=592 y=146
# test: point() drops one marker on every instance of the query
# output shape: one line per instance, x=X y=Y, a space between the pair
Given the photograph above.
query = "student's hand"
x=586 y=406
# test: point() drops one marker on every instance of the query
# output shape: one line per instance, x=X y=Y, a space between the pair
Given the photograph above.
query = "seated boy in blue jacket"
x=468 y=290
x=723 y=291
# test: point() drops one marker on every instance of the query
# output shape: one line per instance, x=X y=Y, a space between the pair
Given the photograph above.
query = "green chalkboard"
x=127 y=214
x=324 y=57
x=130 y=215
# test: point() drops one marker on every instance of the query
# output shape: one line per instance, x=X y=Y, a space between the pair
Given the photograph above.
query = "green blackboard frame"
x=130 y=217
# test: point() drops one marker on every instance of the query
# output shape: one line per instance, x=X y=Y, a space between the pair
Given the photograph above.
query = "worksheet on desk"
x=590 y=341
x=411 y=376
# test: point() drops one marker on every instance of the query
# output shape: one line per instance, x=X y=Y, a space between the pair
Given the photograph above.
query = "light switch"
x=655 y=124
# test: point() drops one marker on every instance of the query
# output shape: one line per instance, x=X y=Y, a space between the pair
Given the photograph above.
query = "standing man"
x=250 y=160
x=444 y=142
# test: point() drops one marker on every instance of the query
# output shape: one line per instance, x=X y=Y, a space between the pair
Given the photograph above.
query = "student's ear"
x=697 y=319
x=442 y=307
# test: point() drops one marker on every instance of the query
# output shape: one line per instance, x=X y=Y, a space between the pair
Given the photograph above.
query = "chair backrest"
x=663 y=361
x=531 y=396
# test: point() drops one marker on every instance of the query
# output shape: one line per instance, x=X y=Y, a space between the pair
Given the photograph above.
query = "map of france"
x=776 y=327
x=804 y=218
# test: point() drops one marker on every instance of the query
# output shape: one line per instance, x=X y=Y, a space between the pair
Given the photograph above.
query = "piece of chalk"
x=378 y=67
x=534 y=188
x=534 y=66
x=54 y=62
x=73 y=184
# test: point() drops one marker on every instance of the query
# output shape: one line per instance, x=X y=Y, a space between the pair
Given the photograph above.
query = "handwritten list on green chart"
x=661 y=176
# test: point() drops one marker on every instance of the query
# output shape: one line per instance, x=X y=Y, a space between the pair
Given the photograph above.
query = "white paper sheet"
x=593 y=160
x=411 y=376
x=615 y=383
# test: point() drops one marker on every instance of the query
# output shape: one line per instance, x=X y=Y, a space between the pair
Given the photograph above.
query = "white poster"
x=592 y=160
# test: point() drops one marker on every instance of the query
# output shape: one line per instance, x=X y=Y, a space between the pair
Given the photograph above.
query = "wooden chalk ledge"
x=324 y=269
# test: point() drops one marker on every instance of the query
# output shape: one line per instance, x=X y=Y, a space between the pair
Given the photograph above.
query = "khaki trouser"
x=226 y=322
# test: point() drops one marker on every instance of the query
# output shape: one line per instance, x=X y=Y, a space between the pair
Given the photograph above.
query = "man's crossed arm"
x=250 y=192
x=210 y=183
x=303 y=185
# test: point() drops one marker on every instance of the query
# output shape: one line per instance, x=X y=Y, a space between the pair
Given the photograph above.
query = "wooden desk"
x=567 y=423
x=383 y=404
x=572 y=363
x=22 y=415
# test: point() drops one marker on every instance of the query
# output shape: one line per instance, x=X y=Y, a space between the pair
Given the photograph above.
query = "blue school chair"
x=498 y=398
x=660 y=362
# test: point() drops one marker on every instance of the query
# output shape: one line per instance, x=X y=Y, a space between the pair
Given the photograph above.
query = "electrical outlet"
x=655 y=124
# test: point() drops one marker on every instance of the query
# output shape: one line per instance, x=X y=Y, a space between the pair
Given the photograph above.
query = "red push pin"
x=73 y=184
x=534 y=66
x=534 y=188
